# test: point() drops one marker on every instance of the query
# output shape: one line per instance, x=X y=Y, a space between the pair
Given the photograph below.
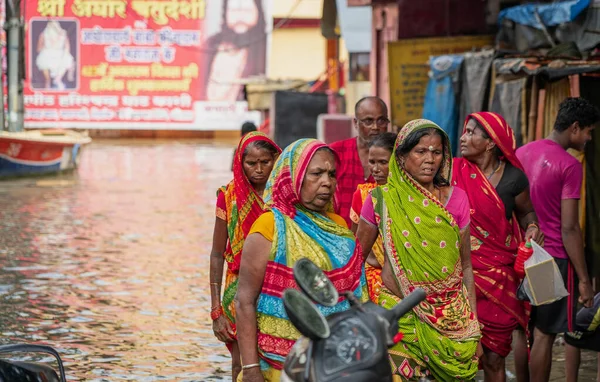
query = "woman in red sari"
x=239 y=204
x=501 y=210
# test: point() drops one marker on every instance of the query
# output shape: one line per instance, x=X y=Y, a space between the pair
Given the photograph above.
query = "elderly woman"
x=239 y=204
x=498 y=192
x=299 y=223
x=424 y=223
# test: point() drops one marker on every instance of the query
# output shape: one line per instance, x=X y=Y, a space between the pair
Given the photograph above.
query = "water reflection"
x=110 y=265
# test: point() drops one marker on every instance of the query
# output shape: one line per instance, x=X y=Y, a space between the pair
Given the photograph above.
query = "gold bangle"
x=532 y=225
x=252 y=365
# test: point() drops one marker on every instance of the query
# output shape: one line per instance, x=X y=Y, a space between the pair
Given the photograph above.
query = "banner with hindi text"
x=142 y=64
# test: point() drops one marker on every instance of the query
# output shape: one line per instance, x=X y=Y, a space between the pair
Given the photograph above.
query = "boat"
x=37 y=152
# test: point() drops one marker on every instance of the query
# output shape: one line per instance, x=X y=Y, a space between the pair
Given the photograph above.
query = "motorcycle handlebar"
x=406 y=305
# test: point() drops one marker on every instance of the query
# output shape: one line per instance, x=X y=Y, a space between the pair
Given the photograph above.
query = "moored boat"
x=38 y=152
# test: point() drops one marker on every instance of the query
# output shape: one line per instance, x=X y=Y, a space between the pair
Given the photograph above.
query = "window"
x=360 y=66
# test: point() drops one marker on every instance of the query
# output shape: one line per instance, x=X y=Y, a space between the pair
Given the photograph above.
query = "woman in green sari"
x=424 y=223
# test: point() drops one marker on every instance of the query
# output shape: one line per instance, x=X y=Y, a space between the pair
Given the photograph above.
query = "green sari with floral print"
x=422 y=245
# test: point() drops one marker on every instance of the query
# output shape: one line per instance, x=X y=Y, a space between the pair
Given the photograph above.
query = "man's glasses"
x=368 y=122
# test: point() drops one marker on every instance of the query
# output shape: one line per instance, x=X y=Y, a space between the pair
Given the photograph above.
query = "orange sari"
x=373 y=274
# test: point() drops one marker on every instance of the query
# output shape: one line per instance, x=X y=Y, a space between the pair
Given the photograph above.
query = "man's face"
x=371 y=120
x=580 y=136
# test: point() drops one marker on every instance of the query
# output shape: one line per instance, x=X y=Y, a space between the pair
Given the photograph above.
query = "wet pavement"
x=110 y=264
x=587 y=369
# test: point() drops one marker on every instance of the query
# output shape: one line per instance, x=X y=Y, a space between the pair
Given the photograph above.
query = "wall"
x=385 y=30
x=297 y=53
x=356 y=90
x=307 y=9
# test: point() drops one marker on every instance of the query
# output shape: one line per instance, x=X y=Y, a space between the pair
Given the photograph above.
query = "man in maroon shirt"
x=370 y=119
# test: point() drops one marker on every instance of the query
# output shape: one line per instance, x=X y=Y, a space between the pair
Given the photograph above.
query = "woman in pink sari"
x=498 y=192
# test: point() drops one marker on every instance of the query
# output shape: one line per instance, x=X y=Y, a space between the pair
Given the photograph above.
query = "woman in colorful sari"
x=380 y=151
x=299 y=223
x=424 y=223
x=498 y=192
x=239 y=204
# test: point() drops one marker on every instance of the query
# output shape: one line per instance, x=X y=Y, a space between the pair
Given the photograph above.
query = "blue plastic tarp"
x=551 y=14
x=441 y=103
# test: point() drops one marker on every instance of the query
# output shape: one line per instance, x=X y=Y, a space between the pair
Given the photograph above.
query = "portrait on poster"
x=236 y=47
x=54 y=45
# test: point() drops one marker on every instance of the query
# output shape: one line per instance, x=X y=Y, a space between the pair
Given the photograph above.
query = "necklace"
x=495 y=170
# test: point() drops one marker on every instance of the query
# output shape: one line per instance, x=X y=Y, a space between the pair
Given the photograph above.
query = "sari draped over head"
x=243 y=207
x=422 y=244
x=494 y=241
x=299 y=233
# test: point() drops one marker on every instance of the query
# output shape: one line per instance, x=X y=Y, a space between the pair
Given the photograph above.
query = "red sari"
x=494 y=241
x=239 y=206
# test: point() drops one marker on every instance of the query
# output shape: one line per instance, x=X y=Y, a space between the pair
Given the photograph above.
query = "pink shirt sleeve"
x=571 y=188
x=368 y=211
x=459 y=207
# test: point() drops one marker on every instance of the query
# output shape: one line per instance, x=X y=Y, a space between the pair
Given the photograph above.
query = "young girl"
x=380 y=151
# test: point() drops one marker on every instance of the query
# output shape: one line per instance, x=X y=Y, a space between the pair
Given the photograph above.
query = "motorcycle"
x=350 y=346
x=17 y=371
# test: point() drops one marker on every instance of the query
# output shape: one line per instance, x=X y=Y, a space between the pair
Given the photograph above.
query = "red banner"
x=142 y=64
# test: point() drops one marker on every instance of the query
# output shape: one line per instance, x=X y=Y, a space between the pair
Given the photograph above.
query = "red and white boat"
x=39 y=151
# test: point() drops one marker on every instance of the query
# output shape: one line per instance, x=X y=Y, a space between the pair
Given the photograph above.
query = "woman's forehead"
x=430 y=139
x=473 y=124
x=377 y=150
x=322 y=158
x=256 y=152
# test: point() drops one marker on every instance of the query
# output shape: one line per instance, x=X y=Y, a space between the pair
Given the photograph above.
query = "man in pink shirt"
x=555 y=178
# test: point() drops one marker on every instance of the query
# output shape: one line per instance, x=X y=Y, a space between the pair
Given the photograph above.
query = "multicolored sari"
x=494 y=241
x=372 y=274
x=242 y=207
x=299 y=233
x=422 y=244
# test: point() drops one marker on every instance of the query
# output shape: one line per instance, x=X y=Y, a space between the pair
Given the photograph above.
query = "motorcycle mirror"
x=304 y=315
x=314 y=283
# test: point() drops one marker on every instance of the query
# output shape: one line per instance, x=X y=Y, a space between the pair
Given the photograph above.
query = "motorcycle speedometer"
x=350 y=342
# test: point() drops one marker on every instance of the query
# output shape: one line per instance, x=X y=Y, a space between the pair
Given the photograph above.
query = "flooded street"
x=110 y=264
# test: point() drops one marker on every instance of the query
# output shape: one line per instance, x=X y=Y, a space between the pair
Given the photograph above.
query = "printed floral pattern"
x=483 y=233
x=475 y=243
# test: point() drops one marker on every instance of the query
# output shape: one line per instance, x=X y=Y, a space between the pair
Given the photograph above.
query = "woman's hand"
x=252 y=375
x=223 y=330
x=534 y=233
